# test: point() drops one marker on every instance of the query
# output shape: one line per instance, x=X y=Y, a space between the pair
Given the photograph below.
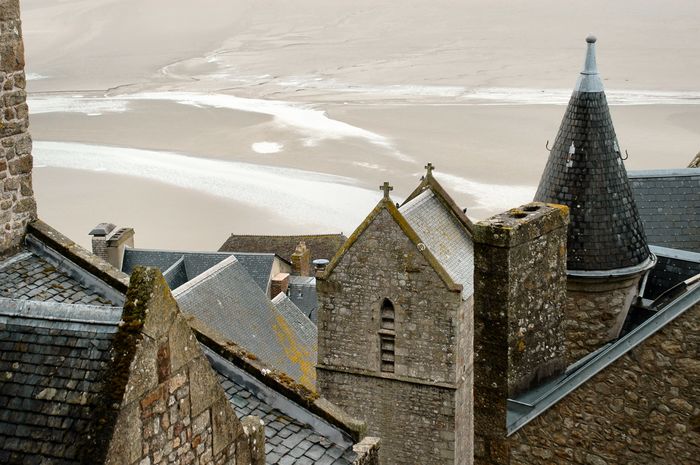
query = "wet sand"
x=360 y=90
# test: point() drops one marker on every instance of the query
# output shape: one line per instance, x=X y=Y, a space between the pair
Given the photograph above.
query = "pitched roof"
x=304 y=326
x=320 y=245
x=302 y=291
x=226 y=298
x=444 y=235
x=585 y=172
x=386 y=204
x=52 y=358
x=294 y=435
x=259 y=265
x=669 y=205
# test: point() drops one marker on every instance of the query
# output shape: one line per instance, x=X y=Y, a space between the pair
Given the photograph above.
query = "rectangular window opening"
x=387 y=347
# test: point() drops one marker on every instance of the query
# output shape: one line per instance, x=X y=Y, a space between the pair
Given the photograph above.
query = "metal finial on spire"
x=589 y=80
x=386 y=188
x=429 y=167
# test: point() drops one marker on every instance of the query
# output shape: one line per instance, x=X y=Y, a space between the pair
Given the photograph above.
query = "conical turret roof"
x=585 y=172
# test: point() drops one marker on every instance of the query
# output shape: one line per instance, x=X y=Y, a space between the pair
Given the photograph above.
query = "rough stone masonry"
x=17 y=205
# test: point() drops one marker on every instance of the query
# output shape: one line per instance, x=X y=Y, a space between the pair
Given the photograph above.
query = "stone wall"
x=415 y=422
x=413 y=408
x=595 y=312
x=17 y=205
x=520 y=283
x=173 y=409
x=642 y=409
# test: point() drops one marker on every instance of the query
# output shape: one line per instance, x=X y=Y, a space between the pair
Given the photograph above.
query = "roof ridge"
x=15 y=310
x=205 y=276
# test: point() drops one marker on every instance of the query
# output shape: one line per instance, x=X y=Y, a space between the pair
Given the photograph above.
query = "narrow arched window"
x=387 y=336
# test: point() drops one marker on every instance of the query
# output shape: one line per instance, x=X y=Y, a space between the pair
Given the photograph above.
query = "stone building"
x=634 y=400
x=607 y=252
x=395 y=327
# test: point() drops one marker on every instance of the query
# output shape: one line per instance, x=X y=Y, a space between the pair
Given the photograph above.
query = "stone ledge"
x=91 y=263
x=522 y=224
x=399 y=379
x=276 y=380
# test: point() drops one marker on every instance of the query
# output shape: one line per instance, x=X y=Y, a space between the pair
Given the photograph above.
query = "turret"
x=607 y=251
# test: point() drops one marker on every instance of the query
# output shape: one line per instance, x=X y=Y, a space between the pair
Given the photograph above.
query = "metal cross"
x=386 y=188
x=430 y=168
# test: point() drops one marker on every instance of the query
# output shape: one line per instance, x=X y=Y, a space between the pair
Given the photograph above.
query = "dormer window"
x=387 y=337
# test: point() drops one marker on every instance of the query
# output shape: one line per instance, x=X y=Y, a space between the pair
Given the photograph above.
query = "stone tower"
x=606 y=245
x=395 y=328
x=17 y=205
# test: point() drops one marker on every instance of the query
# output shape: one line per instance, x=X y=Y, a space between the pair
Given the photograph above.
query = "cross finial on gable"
x=430 y=169
x=386 y=188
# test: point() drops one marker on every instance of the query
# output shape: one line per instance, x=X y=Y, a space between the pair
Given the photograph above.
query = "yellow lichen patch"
x=296 y=352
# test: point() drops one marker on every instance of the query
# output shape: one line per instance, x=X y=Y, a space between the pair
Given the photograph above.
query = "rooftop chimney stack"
x=301 y=260
x=519 y=295
x=606 y=245
x=109 y=243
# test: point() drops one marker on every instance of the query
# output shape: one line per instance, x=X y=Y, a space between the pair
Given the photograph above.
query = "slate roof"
x=226 y=299
x=302 y=291
x=320 y=245
x=305 y=328
x=444 y=236
x=669 y=205
x=259 y=265
x=585 y=171
x=294 y=436
x=27 y=275
x=51 y=359
x=672 y=267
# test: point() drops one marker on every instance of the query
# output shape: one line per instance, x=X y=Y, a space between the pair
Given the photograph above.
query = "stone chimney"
x=17 y=204
x=99 y=239
x=279 y=284
x=109 y=243
x=301 y=260
x=519 y=297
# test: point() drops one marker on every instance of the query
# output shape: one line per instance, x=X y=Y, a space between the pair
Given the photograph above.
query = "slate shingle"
x=669 y=206
x=258 y=265
x=227 y=299
x=51 y=371
x=288 y=440
x=585 y=172
x=28 y=276
x=444 y=236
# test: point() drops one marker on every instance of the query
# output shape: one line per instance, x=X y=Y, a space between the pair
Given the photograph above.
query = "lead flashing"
x=589 y=80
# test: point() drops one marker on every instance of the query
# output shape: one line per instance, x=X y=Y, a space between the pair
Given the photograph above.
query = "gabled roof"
x=320 y=245
x=428 y=182
x=293 y=433
x=259 y=265
x=52 y=359
x=303 y=325
x=446 y=237
x=302 y=291
x=585 y=172
x=386 y=204
x=669 y=205
x=226 y=298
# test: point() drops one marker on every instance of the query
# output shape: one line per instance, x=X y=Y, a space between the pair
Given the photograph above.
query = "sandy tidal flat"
x=273 y=118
